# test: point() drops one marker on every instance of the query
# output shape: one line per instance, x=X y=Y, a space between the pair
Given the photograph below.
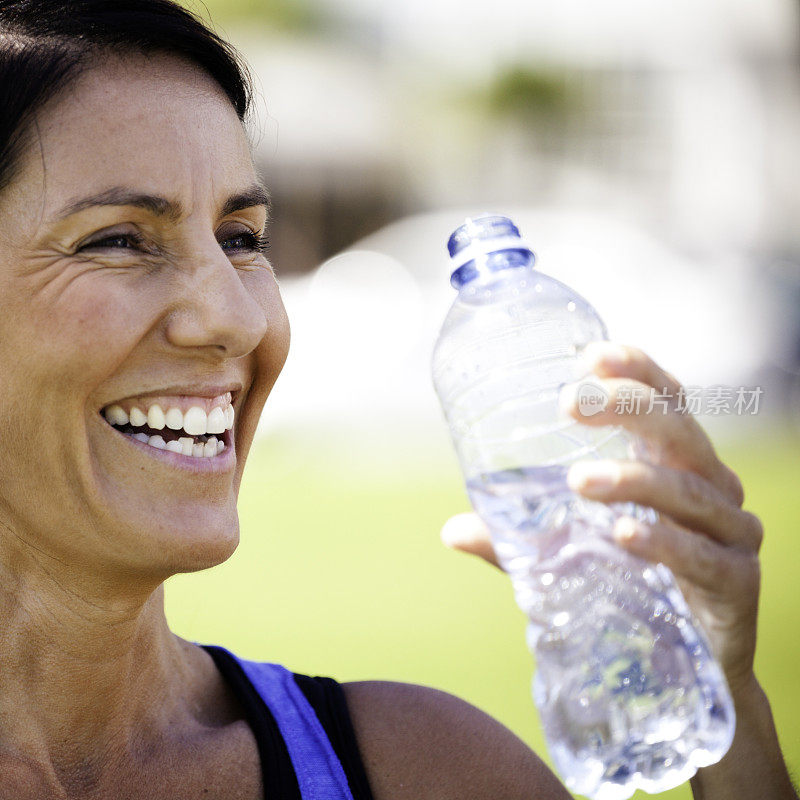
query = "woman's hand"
x=703 y=535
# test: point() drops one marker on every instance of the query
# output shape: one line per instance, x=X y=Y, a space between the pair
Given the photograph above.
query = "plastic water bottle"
x=627 y=689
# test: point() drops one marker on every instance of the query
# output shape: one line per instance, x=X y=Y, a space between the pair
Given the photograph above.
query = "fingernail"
x=608 y=352
x=626 y=529
x=593 y=475
x=459 y=529
x=566 y=400
x=449 y=535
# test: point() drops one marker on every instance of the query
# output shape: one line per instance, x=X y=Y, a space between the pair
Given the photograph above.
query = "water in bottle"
x=628 y=691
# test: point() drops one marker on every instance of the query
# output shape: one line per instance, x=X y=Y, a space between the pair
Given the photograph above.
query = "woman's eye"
x=118 y=241
x=246 y=240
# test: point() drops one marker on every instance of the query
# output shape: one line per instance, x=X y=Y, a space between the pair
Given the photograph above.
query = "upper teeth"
x=194 y=421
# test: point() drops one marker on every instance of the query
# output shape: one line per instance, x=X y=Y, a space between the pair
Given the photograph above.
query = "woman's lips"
x=192 y=427
x=182 y=451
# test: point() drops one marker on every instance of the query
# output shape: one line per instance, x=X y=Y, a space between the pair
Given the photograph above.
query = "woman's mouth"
x=199 y=427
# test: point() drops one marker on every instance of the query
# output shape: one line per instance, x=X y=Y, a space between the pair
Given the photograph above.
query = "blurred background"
x=650 y=151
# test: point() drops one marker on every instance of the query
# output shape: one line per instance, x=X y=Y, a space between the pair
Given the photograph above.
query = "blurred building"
x=677 y=123
x=683 y=115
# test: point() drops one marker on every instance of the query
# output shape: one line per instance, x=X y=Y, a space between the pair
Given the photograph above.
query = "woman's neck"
x=88 y=678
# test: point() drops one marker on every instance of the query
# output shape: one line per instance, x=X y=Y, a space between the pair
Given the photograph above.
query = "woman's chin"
x=205 y=554
x=157 y=549
x=197 y=549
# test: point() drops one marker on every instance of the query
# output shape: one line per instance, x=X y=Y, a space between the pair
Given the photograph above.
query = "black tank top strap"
x=326 y=697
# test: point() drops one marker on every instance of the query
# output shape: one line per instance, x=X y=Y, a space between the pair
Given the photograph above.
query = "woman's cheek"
x=274 y=347
x=88 y=335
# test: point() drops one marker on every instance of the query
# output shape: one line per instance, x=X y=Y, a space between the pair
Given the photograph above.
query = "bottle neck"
x=486 y=268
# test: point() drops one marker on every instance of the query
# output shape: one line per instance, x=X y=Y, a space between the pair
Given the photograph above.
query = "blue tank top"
x=317 y=767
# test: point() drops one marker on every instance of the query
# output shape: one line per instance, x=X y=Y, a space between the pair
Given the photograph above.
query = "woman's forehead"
x=160 y=125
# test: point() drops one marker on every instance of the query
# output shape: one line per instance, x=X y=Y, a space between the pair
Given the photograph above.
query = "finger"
x=610 y=359
x=467 y=532
x=695 y=558
x=686 y=497
x=674 y=439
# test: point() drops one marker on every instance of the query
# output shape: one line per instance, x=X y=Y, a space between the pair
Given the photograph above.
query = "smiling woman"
x=141 y=334
x=142 y=331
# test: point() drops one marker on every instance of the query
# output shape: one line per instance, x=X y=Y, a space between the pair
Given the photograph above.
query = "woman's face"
x=129 y=278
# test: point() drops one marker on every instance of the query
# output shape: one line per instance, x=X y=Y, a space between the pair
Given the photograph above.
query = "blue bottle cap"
x=471 y=244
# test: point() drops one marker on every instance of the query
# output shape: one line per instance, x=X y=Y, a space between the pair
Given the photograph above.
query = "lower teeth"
x=185 y=445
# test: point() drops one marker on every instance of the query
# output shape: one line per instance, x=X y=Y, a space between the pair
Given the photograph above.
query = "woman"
x=141 y=333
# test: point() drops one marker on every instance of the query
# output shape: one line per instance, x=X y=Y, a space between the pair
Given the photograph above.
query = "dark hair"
x=46 y=44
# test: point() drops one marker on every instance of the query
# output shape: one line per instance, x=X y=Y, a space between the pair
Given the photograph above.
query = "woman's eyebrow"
x=255 y=195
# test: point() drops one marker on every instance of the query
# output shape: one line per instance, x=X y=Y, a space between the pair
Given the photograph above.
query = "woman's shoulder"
x=422 y=743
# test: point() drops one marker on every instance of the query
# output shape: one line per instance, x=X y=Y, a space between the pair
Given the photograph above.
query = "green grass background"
x=341 y=572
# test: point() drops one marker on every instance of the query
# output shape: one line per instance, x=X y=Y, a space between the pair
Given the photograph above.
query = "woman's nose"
x=215 y=309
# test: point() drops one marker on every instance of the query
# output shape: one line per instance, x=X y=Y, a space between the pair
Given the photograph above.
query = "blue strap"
x=318 y=769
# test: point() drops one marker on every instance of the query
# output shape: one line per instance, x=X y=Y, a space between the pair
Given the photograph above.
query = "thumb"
x=468 y=533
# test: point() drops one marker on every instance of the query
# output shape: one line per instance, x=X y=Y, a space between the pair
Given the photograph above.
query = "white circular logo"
x=592 y=399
